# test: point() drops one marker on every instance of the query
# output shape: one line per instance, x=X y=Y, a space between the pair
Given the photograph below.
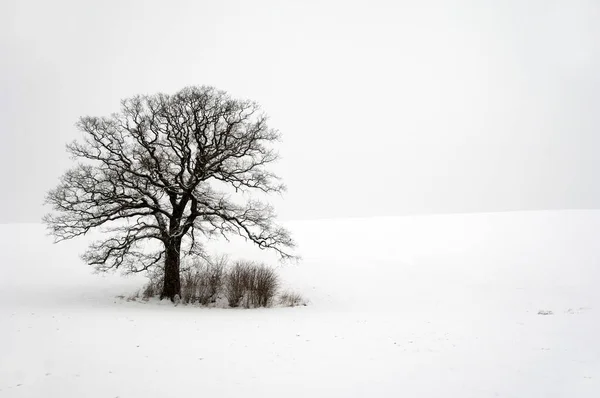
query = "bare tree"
x=148 y=174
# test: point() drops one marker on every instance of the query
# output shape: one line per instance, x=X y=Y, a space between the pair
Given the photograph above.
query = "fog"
x=385 y=107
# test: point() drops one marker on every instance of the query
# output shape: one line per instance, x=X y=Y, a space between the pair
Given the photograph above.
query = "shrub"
x=291 y=299
x=265 y=286
x=154 y=285
x=134 y=296
x=148 y=292
x=236 y=283
x=215 y=275
x=251 y=284
x=202 y=280
x=190 y=279
x=206 y=280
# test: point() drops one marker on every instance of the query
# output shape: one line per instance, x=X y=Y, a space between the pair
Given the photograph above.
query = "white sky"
x=386 y=107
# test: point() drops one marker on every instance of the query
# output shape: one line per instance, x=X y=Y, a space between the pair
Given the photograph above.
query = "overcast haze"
x=385 y=107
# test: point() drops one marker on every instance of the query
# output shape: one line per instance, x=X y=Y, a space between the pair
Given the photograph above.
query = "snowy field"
x=431 y=306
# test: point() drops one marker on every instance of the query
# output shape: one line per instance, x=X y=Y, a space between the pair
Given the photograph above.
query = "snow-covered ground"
x=432 y=306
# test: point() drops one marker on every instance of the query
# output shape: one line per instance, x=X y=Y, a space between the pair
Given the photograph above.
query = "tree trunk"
x=172 y=280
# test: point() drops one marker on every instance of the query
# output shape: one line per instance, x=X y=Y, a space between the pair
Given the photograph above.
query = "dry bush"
x=207 y=280
x=202 y=281
x=148 y=292
x=154 y=285
x=190 y=279
x=264 y=287
x=291 y=299
x=134 y=296
x=251 y=284
x=215 y=276
x=236 y=283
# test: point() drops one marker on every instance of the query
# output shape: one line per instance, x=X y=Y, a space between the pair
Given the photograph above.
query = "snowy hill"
x=429 y=306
